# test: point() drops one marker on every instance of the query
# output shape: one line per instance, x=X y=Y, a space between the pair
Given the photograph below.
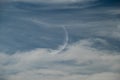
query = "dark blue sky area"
x=83 y=20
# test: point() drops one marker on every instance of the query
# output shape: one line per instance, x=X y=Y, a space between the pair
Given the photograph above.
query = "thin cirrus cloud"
x=56 y=1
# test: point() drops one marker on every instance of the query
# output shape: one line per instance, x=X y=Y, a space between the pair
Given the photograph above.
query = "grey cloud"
x=89 y=63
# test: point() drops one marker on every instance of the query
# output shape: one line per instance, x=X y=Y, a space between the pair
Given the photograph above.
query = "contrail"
x=67 y=37
x=61 y=47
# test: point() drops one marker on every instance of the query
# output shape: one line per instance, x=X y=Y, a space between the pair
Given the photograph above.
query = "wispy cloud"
x=56 y=1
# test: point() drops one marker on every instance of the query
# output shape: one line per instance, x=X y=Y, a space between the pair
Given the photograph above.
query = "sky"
x=59 y=40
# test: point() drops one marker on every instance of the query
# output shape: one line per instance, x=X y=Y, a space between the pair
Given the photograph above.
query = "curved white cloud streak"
x=60 y=47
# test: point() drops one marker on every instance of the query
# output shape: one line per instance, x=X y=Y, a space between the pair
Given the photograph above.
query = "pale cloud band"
x=55 y=1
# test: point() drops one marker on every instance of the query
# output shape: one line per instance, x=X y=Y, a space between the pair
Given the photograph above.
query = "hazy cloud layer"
x=79 y=61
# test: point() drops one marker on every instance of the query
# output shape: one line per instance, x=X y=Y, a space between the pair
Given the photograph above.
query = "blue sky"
x=59 y=39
